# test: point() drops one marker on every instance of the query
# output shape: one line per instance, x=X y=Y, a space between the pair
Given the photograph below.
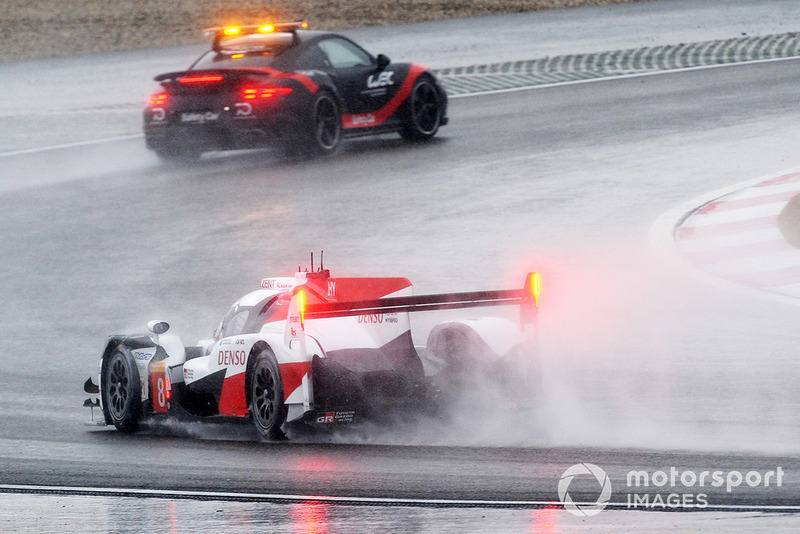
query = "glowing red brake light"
x=253 y=93
x=158 y=99
x=208 y=78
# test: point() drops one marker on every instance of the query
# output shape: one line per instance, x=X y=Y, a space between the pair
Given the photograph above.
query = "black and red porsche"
x=285 y=85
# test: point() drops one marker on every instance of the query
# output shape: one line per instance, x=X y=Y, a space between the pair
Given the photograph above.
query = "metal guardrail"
x=568 y=68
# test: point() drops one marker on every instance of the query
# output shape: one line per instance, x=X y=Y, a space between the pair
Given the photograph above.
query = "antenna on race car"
x=316 y=273
x=321 y=264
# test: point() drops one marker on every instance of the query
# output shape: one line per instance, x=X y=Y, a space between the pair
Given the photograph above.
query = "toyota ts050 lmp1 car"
x=283 y=84
x=314 y=350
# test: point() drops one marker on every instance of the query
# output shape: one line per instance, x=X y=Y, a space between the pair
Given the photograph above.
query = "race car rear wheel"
x=326 y=125
x=266 y=396
x=122 y=394
x=424 y=111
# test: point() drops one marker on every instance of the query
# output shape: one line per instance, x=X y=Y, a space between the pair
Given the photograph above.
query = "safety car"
x=313 y=349
x=286 y=85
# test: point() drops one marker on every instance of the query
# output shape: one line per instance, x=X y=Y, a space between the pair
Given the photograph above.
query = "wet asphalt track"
x=647 y=367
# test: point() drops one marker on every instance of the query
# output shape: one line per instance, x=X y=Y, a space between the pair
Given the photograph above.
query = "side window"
x=344 y=54
x=267 y=309
x=313 y=59
x=233 y=323
x=250 y=319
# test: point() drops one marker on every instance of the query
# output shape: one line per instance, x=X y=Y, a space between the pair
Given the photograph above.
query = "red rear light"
x=253 y=93
x=207 y=78
x=158 y=99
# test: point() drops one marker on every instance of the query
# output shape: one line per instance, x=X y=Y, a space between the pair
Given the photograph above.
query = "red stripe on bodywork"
x=366 y=120
x=292 y=375
x=307 y=82
x=232 y=400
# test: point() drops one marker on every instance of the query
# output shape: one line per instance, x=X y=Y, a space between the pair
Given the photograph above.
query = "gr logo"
x=584 y=509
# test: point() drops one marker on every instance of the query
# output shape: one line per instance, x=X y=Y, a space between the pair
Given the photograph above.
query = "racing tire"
x=121 y=391
x=266 y=396
x=424 y=111
x=325 y=128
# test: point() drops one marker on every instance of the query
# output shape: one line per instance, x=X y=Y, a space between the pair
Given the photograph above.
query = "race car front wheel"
x=326 y=125
x=266 y=396
x=122 y=394
x=424 y=111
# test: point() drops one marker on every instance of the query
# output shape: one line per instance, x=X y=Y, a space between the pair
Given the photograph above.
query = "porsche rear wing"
x=527 y=298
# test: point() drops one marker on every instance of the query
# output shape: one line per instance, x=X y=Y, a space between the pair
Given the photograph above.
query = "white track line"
x=70 y=145
x=374 y=501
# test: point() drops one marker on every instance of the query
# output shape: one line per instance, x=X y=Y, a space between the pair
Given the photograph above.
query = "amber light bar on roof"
x=237 y=31
x=222 y=32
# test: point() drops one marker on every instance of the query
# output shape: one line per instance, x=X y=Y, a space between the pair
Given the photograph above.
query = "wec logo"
x=383 y=79
x=584 y=509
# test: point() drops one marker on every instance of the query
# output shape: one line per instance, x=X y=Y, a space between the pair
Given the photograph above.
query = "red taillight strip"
x=252 y=93
x=158 y=99
x=208 y=78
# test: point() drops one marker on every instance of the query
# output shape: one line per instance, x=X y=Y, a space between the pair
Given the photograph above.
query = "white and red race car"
x=311 y=349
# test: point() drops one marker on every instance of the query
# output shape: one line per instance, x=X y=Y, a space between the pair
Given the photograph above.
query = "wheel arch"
x=123 y=345
x=492 y=337
x=272 y=428
x=491 y=353
x=126 y=344
x=251 y=363
x=111 y=346
x=410 y=130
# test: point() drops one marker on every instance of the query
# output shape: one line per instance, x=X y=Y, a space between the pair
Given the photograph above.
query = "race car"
x=285 y=85
x=313 y=350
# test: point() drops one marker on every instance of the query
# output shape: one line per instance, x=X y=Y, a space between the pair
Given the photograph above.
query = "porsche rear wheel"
x=424 y=111
x=325 y=130
x=122 y=394
x=266 y=396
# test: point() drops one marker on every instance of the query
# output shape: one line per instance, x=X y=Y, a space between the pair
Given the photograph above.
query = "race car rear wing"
x=527 y=298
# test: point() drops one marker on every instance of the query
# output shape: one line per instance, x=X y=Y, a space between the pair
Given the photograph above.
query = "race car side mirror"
x=158 y=327
x=383 y=61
